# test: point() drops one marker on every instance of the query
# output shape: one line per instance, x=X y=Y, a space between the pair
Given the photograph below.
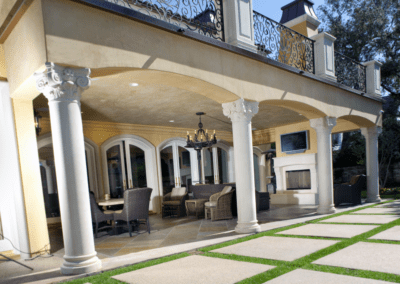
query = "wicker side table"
x=195 y=207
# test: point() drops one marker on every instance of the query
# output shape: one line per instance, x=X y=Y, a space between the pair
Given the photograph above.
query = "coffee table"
x=195 y=207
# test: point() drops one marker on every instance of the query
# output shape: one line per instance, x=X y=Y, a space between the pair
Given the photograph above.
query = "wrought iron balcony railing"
x=202 y=16
x=282 y=44
x=350 y=72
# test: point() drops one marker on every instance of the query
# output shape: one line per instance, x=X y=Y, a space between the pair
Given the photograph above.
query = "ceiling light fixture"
x=172 y=121
x=133 y=84
x=200 y=140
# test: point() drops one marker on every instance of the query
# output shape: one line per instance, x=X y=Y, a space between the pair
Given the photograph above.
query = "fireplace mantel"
x=293 y=163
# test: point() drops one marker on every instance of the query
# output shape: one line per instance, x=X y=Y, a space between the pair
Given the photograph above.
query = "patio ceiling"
x=113 y=99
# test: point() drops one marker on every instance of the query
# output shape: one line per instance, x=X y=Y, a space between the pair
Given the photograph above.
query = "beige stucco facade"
x=177 y=76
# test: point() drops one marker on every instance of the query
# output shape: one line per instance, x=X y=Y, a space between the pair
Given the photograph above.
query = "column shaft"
x=63 y=87
x=241 y=113
x=371 y=135
x=323 y=126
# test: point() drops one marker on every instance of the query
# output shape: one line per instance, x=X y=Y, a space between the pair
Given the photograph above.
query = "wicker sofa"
x=204 y=191
x=350 y=192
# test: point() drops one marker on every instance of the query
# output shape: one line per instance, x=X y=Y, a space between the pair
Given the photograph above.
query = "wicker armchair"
x=220 y=205
x=99 y=216
x=174 y=202
x=136 y=208
x=350 y=192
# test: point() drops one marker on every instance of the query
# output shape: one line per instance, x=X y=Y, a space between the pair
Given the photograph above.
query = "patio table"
x=110 y=202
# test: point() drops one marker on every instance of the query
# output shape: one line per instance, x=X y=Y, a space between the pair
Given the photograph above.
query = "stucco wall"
x=3 y=71
x=25 y=52
x=312 y=137
x=5 y=8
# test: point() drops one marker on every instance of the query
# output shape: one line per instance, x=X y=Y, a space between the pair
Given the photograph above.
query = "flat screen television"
x=296 y=142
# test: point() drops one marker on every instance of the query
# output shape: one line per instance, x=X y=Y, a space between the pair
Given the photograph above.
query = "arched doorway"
x=48 y=174
x=177 y=165
x=129 y=162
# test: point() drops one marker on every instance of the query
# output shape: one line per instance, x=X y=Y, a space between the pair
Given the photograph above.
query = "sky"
x=272 y=8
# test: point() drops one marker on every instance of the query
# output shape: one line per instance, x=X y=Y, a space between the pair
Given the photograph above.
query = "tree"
x=367 y=30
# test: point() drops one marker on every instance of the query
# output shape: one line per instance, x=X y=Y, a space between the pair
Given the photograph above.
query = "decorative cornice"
x=62 y=83
x=240 y=110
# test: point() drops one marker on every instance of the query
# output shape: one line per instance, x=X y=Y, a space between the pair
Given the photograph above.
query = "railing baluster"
x=282 y=44
x=350 y=72
x=202 y=16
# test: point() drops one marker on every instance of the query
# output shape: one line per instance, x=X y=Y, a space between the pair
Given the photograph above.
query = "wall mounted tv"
x=296 y=142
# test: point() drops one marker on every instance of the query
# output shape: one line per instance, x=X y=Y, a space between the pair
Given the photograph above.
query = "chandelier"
x=200 y=140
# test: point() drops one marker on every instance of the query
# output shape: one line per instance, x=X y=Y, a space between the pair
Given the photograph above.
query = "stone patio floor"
x=174 y=235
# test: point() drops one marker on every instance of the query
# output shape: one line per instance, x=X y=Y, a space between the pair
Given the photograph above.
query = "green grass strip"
x=305 y=262
x=105 y=277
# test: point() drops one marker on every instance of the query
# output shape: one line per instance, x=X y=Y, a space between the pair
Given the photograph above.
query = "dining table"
x=110 y=202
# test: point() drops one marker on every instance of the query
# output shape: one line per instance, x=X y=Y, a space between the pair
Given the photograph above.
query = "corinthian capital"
x=240 y=110
x=62 y=83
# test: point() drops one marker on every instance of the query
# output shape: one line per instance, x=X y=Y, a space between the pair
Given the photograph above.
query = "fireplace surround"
x=296 y=180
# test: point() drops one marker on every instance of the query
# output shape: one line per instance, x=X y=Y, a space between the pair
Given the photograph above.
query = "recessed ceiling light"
x=133 y=84
x=172 y=121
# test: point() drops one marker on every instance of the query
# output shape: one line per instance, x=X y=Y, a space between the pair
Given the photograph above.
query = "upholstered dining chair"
x=136 y=208
x=99 y=216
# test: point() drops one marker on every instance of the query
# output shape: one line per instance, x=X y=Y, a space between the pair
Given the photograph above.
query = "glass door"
x=136 y=166
x=116 y=172
x=185 y=169
x=176 y=166
x=169 y=181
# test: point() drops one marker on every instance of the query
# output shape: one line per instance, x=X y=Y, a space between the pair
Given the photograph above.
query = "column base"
x=80 y=265
x=247 y=228
x=322 y=209
x=374 y=199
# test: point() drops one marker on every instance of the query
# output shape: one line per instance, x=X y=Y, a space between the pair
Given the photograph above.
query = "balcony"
x=273 y=40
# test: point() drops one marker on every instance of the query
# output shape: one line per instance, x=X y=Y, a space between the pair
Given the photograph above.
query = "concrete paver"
x=392 y=234
x=379 y=211
x=395 y=204
x=362 y=219
x=302 y=276
x=195 y=269
x=366 y=256
x=329 y=230
x=278 y=248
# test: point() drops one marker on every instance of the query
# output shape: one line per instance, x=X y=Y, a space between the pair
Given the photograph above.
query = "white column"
x=324 y=51
x=238 y=23
x=63 y=88
x=263 y=173
x=215 y=165
x=12 y=206
x=373 y=77
x=49 y=178
x=241 y=113
x=323 y=126
x=371 y=140
x=231 y=165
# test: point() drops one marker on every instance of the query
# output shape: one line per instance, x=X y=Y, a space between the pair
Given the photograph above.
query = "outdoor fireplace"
x=298 y=180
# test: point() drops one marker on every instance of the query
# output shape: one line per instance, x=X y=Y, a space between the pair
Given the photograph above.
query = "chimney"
x=299 y=15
